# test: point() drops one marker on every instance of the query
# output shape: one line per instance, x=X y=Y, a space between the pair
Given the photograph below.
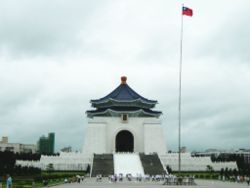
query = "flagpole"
x=179 y=107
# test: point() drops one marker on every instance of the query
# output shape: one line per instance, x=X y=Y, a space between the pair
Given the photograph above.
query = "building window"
x=124 y=117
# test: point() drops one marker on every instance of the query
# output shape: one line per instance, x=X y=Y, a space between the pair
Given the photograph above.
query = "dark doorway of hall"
x=124 y=142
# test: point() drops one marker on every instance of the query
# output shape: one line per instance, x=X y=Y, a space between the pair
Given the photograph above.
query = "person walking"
x=0 y=182
x=9 y=181
x=248 y=180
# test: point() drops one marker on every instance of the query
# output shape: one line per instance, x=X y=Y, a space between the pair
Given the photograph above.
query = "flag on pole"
x=187 y=11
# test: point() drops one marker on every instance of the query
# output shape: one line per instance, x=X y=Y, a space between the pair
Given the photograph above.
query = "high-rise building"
x=46 y=145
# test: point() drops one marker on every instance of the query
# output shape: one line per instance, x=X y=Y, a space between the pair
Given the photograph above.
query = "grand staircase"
x=128 y=163
x=102 y=164
x=151 y=164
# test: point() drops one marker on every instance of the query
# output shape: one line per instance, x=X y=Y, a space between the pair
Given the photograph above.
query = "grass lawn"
x=28 y=184
x=53 y=178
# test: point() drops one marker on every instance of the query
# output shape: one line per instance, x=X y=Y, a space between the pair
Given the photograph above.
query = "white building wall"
x=95 y=138
x=189 y=163
x=65 y=161
x=154 y=140
x=139 y=127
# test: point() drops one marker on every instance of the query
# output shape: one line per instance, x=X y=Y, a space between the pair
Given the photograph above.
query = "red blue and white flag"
x=187 y=11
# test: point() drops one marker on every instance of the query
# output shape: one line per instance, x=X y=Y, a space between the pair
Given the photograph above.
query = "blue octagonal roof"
x=123 y=94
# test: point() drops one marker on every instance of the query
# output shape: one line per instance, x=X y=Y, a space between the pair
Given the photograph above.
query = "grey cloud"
x=64 y=116
x=230 y=41
x=81 y=49
x=43 y=27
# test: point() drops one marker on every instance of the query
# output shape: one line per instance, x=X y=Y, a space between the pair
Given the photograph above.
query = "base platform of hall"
x=132 y=164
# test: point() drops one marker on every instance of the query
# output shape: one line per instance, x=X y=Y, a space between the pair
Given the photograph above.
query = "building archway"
x=124 y=141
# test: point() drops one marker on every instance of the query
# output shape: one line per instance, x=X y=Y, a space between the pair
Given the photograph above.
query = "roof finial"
x=124 y=80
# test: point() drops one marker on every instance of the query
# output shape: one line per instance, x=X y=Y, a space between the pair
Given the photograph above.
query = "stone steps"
x=102 y=164
x=151 y=164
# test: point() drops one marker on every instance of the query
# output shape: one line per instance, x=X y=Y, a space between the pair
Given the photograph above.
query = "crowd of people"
x=165 y=178
x=238 y=179
x=74 y=179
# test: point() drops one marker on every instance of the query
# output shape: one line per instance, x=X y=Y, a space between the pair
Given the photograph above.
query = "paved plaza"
x=91 y=183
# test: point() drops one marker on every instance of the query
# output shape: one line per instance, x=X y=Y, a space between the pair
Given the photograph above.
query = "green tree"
x=169 y=169
x=50 y=168
x=210 y=168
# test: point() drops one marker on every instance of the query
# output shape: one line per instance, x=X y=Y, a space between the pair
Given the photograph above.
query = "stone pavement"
x=91 y=183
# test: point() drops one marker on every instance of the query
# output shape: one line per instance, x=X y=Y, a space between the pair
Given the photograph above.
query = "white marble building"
x=123 y=121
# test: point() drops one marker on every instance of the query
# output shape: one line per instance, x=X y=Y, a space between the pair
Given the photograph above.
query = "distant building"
x=16 y=147
x=183 y=149
x=4 y=140
x=46 y=145
x=241 y=156
x=67 y=149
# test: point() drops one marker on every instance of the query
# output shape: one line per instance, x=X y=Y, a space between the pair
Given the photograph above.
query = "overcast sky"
x=55 y=56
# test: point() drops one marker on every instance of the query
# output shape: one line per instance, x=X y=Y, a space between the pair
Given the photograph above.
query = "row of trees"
x=8 y=160
x=20 y=171
x=6 y=155
x=243 y=165
x=28 y=156
x=234 y=172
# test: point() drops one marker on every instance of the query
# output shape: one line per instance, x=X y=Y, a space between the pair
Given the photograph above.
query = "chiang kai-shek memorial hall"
x=124 y=135
x=124 y=121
